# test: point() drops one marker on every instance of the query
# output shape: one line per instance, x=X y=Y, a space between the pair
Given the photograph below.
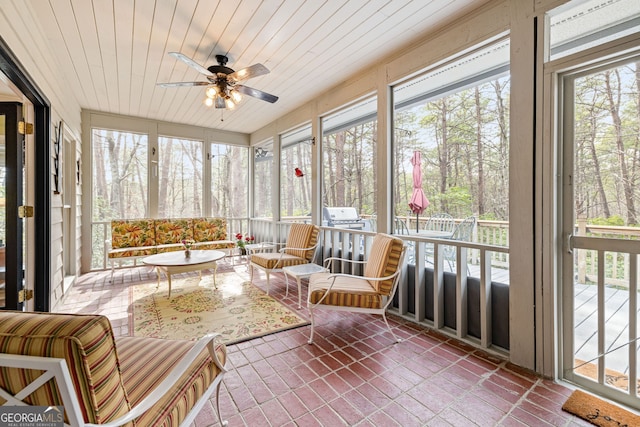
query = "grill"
x=343 y=217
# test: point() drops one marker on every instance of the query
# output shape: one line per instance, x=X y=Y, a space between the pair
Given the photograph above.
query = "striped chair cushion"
x=87 y=344
x=383 y=261
x=269 y=260
x=144 y=364
x=302 y=236
x=346 y=292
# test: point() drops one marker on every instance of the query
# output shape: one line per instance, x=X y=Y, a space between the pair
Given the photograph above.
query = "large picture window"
x=125 y=173
x=348 y=163
x=179 y=178
x=295 y=174
x=457 y=118
x=120 y=188
x=229 y=181
x=262 y=181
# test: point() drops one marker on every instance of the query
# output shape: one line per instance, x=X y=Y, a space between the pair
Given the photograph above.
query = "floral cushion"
x=223 y=244
x=132 y=252
x=209 y=229
x=132 y=233
x=174 y=230
x=142 y=237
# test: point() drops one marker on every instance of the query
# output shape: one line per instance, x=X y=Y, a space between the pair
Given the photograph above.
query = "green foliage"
x=612 y=220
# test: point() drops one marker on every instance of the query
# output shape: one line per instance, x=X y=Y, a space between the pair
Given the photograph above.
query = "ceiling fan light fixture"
x=223 y=88
x=212 y=92
x=236 y=96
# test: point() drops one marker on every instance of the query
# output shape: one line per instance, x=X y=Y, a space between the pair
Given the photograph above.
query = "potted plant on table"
x=242 y=241
x=187 y=243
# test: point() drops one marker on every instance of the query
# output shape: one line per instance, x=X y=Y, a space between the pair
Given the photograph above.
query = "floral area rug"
x=236 y=309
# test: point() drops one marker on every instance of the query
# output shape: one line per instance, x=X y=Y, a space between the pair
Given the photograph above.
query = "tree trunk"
x=596 y=165
x=614 y=106
x=165 y=152
x=443 y=153
x=339 y=168
x=480 y=191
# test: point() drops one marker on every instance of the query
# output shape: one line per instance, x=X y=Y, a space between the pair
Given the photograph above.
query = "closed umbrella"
x=419 y=201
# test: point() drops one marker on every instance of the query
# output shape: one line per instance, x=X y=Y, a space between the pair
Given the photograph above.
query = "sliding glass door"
x=601 y=171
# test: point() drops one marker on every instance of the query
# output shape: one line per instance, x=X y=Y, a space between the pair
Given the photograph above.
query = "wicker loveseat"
x=136 y=238
x=75 y=362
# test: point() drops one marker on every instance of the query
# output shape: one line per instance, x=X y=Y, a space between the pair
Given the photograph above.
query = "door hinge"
x=25 y=211
x=25 y=295
x=25 y=128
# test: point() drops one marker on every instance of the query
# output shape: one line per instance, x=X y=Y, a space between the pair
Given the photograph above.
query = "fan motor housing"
x=221 y=67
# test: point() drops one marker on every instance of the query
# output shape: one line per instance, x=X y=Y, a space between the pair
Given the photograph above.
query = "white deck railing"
x=354 y=244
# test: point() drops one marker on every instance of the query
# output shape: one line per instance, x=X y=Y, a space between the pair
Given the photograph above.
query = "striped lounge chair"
x=73 y=364
x=299 y=249
x=370 y=293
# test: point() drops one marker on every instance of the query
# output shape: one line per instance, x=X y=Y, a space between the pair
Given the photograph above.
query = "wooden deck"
x=616 y=332
x=586 y=321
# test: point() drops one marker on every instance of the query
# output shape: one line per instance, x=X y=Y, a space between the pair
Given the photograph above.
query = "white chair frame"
x=331 y=279
x=57 y=369
x=440 y=222
x=277 y=269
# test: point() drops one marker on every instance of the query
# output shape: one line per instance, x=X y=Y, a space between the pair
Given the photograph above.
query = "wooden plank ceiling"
x=114 y=52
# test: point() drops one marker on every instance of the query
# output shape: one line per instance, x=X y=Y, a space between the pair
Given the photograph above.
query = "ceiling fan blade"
x=174 y=84
x=191 y=63
x=256 y=93
x=246 y=73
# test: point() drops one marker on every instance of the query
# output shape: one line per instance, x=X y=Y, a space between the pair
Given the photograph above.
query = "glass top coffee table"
x=176 y=262
x=302 y=271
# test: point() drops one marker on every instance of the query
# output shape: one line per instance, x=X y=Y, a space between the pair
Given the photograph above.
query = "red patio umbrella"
x=419 y=201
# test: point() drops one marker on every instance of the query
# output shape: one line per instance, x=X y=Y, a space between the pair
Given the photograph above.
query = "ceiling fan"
x=224 y=89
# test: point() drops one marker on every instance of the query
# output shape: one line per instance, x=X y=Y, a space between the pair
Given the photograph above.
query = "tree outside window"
x=295 y=175
x=179 y=178
x=457 y=117
x=262 y=181
x=349 y=159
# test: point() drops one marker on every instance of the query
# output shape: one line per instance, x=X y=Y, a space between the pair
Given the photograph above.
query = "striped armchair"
x=300 y=248
x=370 y=293
x=74 y=362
